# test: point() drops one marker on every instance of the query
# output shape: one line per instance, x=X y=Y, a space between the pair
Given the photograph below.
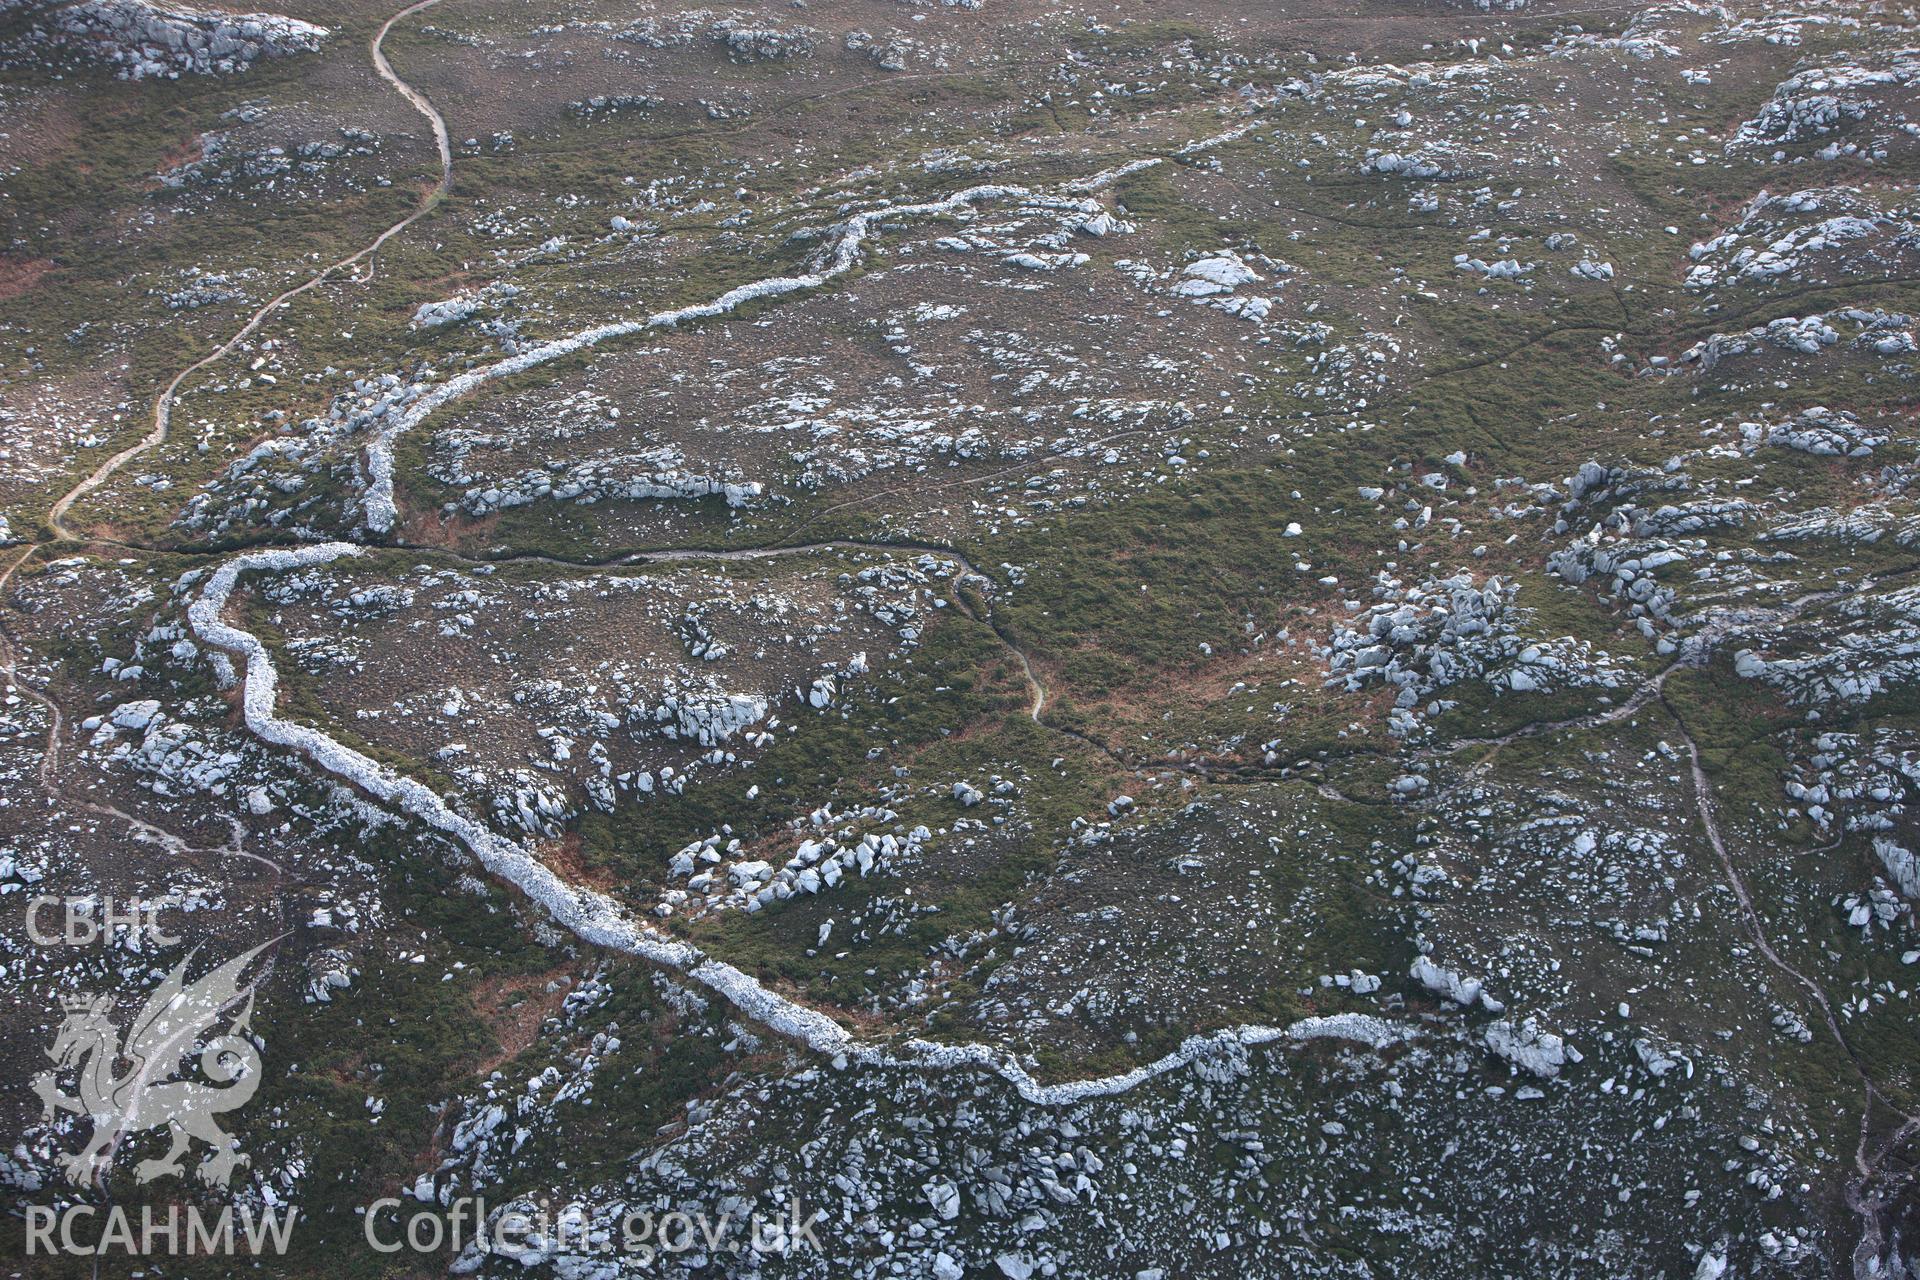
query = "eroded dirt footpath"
x=163 y=403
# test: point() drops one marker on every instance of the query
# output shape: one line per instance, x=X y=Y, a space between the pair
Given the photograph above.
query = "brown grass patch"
x=565 y=858
x=186 y=151
x=513 y=1008
x=19 y=275
x=430 y=529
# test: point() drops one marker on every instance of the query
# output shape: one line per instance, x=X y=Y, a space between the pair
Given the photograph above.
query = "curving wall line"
x=597 y=919
x=840 y=257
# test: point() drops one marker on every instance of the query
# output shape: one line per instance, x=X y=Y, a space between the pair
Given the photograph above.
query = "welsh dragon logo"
x=177 y=1019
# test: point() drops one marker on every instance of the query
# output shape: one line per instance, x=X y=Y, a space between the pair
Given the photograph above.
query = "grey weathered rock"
x=1529 y=1048
x=151 y=39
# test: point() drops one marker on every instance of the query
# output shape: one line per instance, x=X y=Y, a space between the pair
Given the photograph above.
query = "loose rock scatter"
x=1030 y=641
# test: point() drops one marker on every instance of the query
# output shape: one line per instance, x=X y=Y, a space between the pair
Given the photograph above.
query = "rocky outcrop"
x=1528 y=1048
x=1883 y=333
x=147 y=40
x=1824 y=433
x=1822 y=99
x=1424 y=637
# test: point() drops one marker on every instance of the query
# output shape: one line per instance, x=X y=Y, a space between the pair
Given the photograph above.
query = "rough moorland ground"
x=1277 y=640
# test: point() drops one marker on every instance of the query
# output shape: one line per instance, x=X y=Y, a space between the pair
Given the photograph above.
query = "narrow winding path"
x=163 y=403
x=157 y=435
x=1860 y=1197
